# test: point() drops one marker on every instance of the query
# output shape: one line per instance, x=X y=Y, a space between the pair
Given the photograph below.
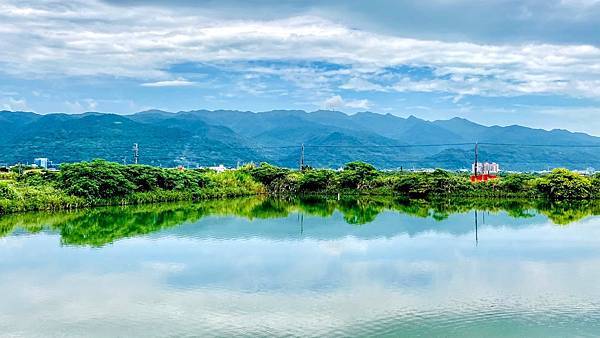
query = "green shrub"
x=314 y=180
x=37 y=177
x=94 y=180
x=516 y=183
x=266 y=173
x=562 y=184
x=7 y=191
x=357 y=175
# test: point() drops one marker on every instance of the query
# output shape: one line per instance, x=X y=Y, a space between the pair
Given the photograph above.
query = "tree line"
x=359 y=177
x=101 y=182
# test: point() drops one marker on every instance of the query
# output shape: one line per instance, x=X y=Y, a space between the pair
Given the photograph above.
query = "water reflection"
x=100 y=226
x=305 y=267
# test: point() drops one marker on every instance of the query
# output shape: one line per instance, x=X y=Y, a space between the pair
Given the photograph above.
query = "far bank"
x=95 y=183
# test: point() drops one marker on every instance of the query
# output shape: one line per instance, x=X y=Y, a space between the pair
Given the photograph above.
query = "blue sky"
x=535 y=63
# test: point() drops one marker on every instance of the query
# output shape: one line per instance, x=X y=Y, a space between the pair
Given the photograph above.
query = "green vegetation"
x=362 y=178
x=104 y=225
x=100 y=182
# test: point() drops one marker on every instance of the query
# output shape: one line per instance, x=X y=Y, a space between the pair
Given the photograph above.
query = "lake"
x=304 y=267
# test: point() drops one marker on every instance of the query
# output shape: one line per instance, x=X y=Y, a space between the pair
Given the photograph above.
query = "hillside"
x=331 y=139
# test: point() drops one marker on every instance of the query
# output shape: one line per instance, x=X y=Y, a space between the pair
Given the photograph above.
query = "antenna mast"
x=302 y=157
x=476 y=157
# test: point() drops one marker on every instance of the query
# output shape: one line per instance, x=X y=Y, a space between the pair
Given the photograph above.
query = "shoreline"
x=101 y=183
x=162 y=197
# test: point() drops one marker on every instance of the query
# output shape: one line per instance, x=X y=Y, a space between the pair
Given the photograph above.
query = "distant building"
x=484 y=171
x=220 y=168
x=485 y=168
x=41 y=162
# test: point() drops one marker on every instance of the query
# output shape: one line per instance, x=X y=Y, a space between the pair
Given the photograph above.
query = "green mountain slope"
x=68 y=138
x=203 y=137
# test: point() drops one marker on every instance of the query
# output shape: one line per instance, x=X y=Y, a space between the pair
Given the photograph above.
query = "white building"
x=486 y=168
x=221 y=168
x=41 y=162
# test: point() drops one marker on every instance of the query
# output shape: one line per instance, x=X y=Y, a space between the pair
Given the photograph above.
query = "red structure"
x=483 y=178
x=483 y=172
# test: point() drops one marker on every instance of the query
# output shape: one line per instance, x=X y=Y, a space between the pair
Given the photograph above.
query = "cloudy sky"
x=529 y=62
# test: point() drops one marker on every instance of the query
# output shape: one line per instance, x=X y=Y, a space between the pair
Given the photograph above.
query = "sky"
x=528 y=62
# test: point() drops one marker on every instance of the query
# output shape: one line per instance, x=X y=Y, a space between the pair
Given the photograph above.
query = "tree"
x=595 y=181
x=96 y=179
x=266 y=173
x=6 y=191
x=562 y=184
x=516 y=183
x=413 y=184
x=357 y=175
x=316 y=180
x=443 y=182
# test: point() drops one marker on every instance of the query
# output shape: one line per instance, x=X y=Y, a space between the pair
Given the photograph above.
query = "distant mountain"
x=331 y=138
x=68 y=138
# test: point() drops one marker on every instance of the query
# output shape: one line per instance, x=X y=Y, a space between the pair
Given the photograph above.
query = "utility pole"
x=476 y=158
x=302 y=157
x=476 y=230
x=136 y=153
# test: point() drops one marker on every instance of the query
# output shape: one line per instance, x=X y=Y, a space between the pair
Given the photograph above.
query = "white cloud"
x=358 y=104
x=14 y=104
x=74 y=106
x=337 y=102
x=333 y=102
x=92 y=104
x=360 y=84
x=80 y=106
x=169 y=83
x=91 y=38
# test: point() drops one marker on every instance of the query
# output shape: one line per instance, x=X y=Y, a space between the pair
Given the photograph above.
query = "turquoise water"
x=257 y=267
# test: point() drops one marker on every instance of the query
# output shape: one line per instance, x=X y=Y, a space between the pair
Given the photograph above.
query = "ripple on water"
x=477 y=319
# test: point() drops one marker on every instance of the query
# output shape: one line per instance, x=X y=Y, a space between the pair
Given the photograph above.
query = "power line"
x=158 y=147
x=197 y=153
x=541 y=145
x=387 y=145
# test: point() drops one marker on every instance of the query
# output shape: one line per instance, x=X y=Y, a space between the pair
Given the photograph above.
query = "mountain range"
x=330 y=138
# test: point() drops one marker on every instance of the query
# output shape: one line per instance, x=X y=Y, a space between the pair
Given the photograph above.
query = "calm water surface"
x=261 y=267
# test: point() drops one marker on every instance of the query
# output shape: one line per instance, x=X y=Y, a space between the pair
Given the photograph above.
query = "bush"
x=7 y=192
x=144 y=177
x=562 y=184
x=96 y=179
x=173 y=179
x=266 y=173
x=595 y=181
x=438 y=182
x=412 y=184
x=357 y=175
x=289 y=184
x=516 y=183
x=443 y=182
x=313 y=180
x=37 y=177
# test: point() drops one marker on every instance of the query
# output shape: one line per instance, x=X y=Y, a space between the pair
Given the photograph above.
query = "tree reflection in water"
x=100 y=226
